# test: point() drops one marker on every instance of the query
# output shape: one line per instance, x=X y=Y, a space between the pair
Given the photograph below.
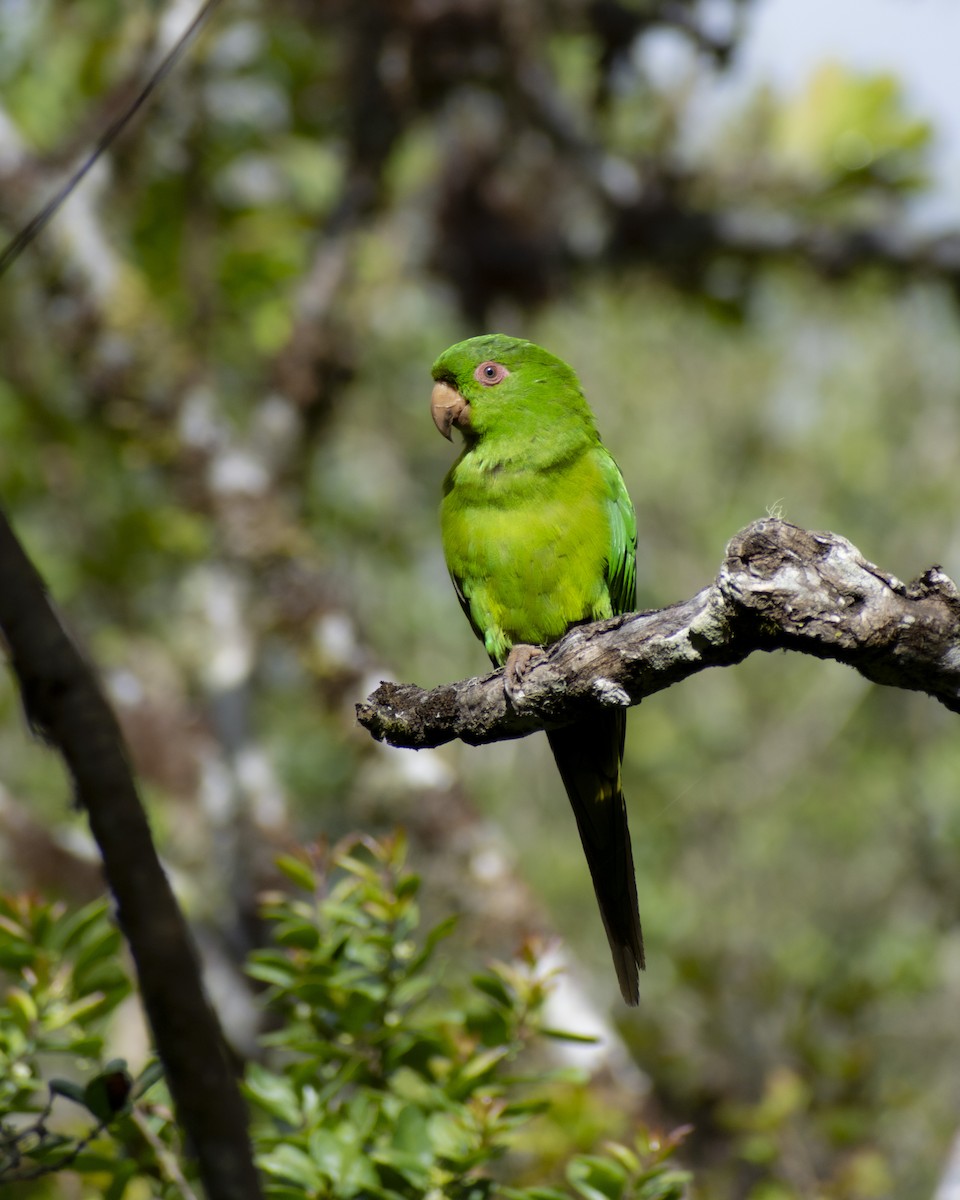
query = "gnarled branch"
x=779 y=588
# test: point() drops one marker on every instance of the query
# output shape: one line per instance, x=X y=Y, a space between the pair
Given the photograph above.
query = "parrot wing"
x=465 y=605
x=622 y=557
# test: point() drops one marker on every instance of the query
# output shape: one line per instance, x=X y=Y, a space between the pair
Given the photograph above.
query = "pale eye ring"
x=490 y=373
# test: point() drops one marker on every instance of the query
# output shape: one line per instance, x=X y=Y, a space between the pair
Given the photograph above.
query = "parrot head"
x=497 y=387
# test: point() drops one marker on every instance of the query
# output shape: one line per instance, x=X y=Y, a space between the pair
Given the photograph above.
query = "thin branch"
x=12 y=251
x=169 y=1167
x=779 y=588
x=54 y=1166
x=64 y=703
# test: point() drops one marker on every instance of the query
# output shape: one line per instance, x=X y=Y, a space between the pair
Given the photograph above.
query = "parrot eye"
x=490 y=373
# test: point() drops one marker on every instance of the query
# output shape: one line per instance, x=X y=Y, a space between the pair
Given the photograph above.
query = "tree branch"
x=780 y=588
x=64 y=702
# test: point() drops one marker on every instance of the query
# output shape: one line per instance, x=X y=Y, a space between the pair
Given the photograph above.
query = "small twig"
x=168 y=1163
x=38 y=1129
x=52 y=1168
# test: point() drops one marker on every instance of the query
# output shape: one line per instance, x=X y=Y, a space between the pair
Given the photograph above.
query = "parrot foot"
x=519 y=661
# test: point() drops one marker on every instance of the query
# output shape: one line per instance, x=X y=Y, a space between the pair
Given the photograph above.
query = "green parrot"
x=539 y=534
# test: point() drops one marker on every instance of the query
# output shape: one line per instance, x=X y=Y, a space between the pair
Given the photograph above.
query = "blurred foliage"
x=62 y=979
x=214 y=441
x=847 y=124
x=378 y=1080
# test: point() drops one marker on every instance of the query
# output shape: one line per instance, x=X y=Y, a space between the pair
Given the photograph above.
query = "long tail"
x=588 y=755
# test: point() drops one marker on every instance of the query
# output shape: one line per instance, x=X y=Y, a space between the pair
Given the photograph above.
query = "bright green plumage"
x=539 y=534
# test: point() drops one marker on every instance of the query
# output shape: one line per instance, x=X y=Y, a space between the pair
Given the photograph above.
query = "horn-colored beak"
x=448 y=408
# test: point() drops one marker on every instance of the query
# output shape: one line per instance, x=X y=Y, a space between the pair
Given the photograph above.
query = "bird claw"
x=519 y=661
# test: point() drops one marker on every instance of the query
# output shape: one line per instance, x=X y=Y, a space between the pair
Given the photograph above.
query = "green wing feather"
x=622 y=560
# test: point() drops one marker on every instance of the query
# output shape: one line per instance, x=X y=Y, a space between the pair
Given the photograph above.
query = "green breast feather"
x=532 y=553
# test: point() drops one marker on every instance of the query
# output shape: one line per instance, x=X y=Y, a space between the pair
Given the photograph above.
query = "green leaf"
x=410 y=1134
x=411 y=1086
x=346 y=915
x=23 y=1008
x=44 y=917
x=624 y=1156
x=436 y=935
x=671 y=1184
x=272 y=1093
x=12 y=929
x=360 y=1175
x=596 y=1178
x=448 y=1136
x=527 y=1108
x=539 y=1193
x=287 y=1162
x=84 y=1045
x=298 y=872
x=362 y=870
x=586 y=1189
x=73 y=927
x=68 y=1088
x=281 y=1191
x=564 y=1035
x=103 y=974
x=298 y=933
x=152 y=1073
x=123 y=1173
x=108 y=1093
x=327 y=1151
x=102 y=1158
x=105 y=946
x=410 y=1166
x=408 y=886
x=494 y=987
x=272 y=972
x=363 y=1111
x=413 y=988
x=484 y=1063
x=63 y=1015
x=15 y=953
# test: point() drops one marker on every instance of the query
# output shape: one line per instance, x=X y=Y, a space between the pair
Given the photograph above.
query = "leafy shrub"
x=378 y=1079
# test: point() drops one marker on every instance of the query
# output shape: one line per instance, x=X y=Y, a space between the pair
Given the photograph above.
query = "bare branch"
x=780 y=588
x=64 y=702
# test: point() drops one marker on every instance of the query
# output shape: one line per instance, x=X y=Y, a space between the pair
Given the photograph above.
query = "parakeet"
x=539 y=534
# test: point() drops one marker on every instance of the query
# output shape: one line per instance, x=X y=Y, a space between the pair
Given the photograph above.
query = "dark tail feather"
x=588 y=755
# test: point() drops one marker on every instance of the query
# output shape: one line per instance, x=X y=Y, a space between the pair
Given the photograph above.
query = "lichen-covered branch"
x=779 y=588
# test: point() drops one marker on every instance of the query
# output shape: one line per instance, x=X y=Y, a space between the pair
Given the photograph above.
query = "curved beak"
x=448 y=408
